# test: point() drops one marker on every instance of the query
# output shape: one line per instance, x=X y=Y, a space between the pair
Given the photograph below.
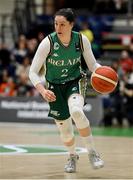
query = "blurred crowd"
x=14 y=80
x=14 y=67
x=118 y=105
x=93 y=6
x=111 y=6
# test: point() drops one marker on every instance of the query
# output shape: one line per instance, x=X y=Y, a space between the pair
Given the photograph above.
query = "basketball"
x=104 y=79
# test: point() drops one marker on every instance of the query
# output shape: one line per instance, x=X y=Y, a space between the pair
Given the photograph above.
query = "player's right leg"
x=66 y=132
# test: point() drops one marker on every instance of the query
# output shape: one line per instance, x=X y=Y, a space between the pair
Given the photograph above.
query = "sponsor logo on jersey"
x=55 y=113
x=56 y=46
x=74 y=88
x=55 y=55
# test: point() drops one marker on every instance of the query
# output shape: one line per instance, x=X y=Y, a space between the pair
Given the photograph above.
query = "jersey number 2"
x=64 y=73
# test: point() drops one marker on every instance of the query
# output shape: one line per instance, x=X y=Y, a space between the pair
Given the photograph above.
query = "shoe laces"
x=95 y=156
x=72 y=160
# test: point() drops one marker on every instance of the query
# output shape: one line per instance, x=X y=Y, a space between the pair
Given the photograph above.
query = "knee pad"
x=75 y=104
x=76 y=112
x=66 y=129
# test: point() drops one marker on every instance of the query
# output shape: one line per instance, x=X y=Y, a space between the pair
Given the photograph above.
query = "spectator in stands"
x=131 y=50
x=23 y=68
x=113 y=103
x=20 y=50
x=49 y=7
x=40 y=36
x=107 y=115
x=116 y=97
x=32 y=45
x=7 y=86
x=120 y=6
x=5 y=75
x=5 y=56
x=115 y=65
x=126 y=62
x=23 y=88
x=127 y=91
x=87 y=31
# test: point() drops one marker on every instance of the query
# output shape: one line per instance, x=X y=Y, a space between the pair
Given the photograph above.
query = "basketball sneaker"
x=70 y=167
x=95 y=159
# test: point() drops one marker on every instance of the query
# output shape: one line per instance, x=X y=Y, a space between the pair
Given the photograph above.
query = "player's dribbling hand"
x=49 y=96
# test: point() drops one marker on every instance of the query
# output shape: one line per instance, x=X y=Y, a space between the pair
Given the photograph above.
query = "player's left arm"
x=88 y=55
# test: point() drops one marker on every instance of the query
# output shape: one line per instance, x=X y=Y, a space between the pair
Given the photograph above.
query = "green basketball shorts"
x=59 y=109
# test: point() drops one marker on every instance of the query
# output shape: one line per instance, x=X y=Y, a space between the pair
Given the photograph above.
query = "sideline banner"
x=35 y=109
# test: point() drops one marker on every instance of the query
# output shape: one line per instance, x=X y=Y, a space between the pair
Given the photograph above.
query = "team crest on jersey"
x=74 y=88
x=55 y=113
x=56 y=46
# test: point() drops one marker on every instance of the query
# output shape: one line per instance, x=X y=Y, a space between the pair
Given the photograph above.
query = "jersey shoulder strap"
x=51 y=39
x=81 y=42
x=78 y=41
x=83 y=63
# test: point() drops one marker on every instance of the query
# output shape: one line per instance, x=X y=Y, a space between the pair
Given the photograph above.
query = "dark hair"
x=67 y=13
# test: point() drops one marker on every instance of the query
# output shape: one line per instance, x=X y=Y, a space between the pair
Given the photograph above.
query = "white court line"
x=20 y=149
x=22 y=124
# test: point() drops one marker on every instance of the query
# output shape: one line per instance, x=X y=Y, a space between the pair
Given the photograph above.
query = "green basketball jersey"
x=63 y=64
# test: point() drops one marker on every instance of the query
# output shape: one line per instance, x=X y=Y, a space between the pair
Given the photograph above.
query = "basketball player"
x=60 y=53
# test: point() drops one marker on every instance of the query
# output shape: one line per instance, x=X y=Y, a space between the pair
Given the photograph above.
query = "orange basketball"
x=104 y=79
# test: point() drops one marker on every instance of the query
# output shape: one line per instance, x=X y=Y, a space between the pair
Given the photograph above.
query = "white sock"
x=71 y=149
x=89 y=143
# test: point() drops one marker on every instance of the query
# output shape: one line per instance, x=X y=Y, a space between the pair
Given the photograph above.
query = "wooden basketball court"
x=117 y=152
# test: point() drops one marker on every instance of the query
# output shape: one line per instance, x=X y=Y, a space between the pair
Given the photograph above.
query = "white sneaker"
x=70 y=167
x=95 y=159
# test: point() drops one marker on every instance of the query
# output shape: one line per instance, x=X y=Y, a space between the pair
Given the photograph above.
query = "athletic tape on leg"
x=75 y=103
x=66 y=129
